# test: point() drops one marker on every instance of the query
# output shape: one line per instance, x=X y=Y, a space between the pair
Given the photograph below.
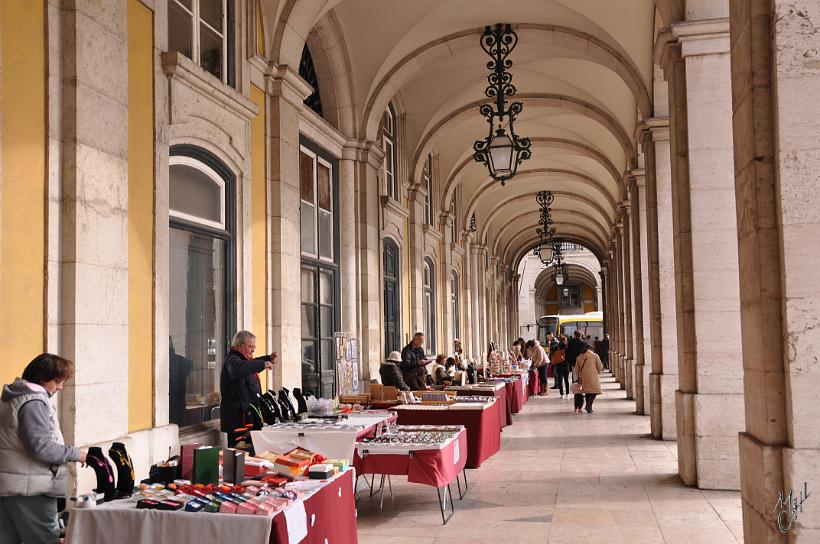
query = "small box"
x=321 y=472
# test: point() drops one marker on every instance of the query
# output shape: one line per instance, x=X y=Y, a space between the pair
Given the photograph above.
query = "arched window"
x=388 y=135
x=427 y=181
x=392 y=304
x=201 y=281
x=455 y=305
x=308 y=72
x=430 y=304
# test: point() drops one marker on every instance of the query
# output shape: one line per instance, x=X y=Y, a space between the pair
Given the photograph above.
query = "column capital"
x=704 y=37
x=281 y=80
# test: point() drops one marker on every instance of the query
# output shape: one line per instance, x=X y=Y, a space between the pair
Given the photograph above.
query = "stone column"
x=481 y=278
x=93 y=235
x=369 y=281
x=710 y=367
x=626 y=286
x=664 y=376
x=415 y=203
x=475 y=302
x=640 y=268
x=445 y=273
x=616 y=359
x=287 y=92
x=776 y=87
x=347 y=238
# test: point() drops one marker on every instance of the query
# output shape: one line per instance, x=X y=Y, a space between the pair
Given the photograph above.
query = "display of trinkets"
x=416 y=438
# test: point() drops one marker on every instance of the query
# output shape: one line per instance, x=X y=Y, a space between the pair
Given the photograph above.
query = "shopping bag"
x=575 y=389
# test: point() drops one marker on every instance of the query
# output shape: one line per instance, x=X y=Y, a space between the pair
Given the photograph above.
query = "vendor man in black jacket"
x=239 y=383
x=413 y=363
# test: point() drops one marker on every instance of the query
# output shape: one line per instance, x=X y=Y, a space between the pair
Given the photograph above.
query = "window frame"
x=566 y=302
x=185 y=160
x=389 y=139
x=427 y=180
x=429 y=302
x=226 y=35
x=320 y=159
x=455 y=303
x=227 y=234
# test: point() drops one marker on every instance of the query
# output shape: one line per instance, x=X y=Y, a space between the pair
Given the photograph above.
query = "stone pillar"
x=616 y=360
x=481 y=273
x=475 y=302
x=446 y=270
x=93 y=236
x=710 y=367
x=367 y=219
x=347 y=239
x=287 y=92
x=664 y=353
x=415 y=203
x=640 y=268
x=776 y=87
x=626 y=286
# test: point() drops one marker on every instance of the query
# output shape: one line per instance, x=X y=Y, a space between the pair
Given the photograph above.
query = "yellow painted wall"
x=588 y=293
x=140 y=216
x=259 y=231
x=23 y=185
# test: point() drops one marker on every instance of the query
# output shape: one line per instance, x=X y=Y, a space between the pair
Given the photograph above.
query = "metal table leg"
x=443 y=503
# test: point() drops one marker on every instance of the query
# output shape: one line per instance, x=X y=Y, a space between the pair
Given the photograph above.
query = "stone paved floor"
x=562 y=477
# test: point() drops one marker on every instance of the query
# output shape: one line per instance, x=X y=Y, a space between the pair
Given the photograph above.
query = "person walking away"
x=391 y=373
x=239 y=383
x=33 y=454
x=574 y=349
x=603 y=352
x=413 y=363
x=539 y=361
x=560 y=367
x=589 y=368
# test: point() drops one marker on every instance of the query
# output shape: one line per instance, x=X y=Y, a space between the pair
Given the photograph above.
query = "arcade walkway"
x=566 y=478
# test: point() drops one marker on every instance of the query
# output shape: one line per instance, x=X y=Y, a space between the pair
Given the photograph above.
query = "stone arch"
x=585 y=45
x=569 y=238
x=525 y=241
x=332 y=63
x=580 y=220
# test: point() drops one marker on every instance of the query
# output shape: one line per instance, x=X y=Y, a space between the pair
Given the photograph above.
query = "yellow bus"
x=590 y=324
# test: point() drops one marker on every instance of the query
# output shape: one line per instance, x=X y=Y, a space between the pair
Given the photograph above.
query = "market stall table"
x=436 y=465
x=534 y=384
x=328 y=515
x=495 y=389
x=516 y=391
x=480 y=419
x=331 y=439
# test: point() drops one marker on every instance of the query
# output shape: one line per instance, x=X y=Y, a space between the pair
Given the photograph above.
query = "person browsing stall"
x=413 y=363
x=539 y=360
x=33 y=454
x=239 y=383
x=391 y=373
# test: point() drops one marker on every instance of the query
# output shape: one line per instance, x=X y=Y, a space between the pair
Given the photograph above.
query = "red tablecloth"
x=430 y=467
x=504 y=412
x=331 y=515
x=483 y=428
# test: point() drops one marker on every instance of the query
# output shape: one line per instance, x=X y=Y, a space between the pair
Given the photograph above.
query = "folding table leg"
x=390 y=485
x=442 y=503
x=381 y=490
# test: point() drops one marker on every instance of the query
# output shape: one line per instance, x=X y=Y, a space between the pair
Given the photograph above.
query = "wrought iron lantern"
x=561 y=274
x=502 y=150
x=545 y=250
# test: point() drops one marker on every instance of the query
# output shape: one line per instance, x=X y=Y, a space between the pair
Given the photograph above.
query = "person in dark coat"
x=239 y=383
x=575 y=348
x=391 y=373
x=413 y=363
x=603 y=351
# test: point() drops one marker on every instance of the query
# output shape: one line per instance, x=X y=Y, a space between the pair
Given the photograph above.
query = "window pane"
x=197 y=325
x=328 y=363
x=210 y=11
x=308 y=215
x=323 y=181
x=308 y=321
x=326 y=290
x=308 y=278
x=308 y=356
x=306 y=177
x=210 y=51
x=326 y=321
x=193 y=192
x=180 y=29
x=325 y=235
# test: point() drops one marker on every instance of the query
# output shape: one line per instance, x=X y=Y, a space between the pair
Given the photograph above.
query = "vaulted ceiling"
x=583 y=70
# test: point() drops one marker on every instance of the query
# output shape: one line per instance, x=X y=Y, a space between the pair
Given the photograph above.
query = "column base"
x=708 y=454
x=662 y=418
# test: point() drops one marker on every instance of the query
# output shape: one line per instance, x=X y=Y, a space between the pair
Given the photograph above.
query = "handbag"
x=558 y=357
x=575 y=389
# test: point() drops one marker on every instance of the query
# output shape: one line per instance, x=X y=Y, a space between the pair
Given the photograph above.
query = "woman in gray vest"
x=33 y=454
